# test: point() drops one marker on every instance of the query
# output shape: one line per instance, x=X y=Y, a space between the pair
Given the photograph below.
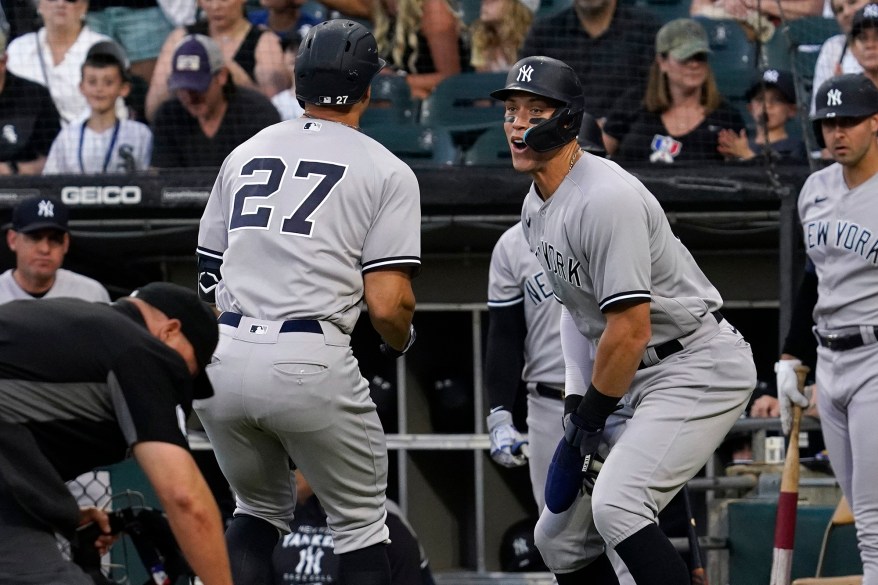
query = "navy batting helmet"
x=553 y=79
x=336 y=63
x=851 y=95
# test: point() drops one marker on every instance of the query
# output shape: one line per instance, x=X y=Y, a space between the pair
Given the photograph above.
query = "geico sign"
x=109 y=195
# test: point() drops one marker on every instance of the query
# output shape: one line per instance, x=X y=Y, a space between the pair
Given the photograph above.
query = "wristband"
x=595 y=408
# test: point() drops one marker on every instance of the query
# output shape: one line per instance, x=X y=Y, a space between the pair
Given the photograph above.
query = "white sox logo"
x=46 y=208
x=524 y=73
x=833 y=97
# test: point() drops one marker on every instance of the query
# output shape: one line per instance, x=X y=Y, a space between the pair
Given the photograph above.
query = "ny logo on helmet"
x=833 y=97
x=46 y=209
x=524 y=73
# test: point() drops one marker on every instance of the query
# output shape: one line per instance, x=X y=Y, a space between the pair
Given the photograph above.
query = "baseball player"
x=630 y=287
x=839 y=218
x=306 y=221
x=39 y=237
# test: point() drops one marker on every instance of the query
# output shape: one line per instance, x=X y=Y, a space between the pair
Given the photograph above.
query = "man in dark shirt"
x=81 y=385
x=209 y=116
x=610 y=46
x=28 y=122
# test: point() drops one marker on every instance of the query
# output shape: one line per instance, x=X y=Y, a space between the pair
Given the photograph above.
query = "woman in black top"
x=682 y=111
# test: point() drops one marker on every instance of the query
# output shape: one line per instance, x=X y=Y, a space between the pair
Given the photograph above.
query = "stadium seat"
x=549 y=7
x=665 y=10
x=491 y=148
x=469 y=10
x=463 y=105
x=841 y=517
x=732 y=58
x=391 y=102
x=414 y=143
x=796 y=45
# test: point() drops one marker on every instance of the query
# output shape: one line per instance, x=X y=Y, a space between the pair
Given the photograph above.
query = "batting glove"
x=508 y=446
x=574 y=466
x=788 y=392
x=396 y=353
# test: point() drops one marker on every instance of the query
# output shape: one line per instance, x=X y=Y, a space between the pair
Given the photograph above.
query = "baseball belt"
x=289 y=326
x=842 y=342
x=671 y=347
x=547 y=391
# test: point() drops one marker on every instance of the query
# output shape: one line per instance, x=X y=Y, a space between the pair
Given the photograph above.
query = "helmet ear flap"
x=554 y=132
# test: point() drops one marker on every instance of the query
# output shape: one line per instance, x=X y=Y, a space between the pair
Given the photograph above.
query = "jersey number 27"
x=297 y=223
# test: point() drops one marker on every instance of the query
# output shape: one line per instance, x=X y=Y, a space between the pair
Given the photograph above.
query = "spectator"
x=39 y=238
x=253 y=55
x=759 y=19
x=28 y=122
x=771 y=102
x=498 y=34
x=21 y=17
x=310 y=538
x=284 y=17
x=608 y=44
x=82 y=385
x=285 y=102
x=210 y=115
x=421 y=39
x=103 y=143
x=682 y=111
x=835 y=58
x=53 y=55
x=864 y=40
x=140 y=26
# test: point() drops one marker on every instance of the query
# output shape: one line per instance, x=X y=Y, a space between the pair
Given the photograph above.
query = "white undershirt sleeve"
x=579 y=355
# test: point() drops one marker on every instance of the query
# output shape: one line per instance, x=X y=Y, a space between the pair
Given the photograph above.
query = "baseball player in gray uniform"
x=39 y=237
x=839 y=215
x=307 y=220
x=630 y=287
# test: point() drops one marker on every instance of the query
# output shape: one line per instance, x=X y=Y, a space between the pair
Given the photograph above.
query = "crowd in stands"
x=110 y=87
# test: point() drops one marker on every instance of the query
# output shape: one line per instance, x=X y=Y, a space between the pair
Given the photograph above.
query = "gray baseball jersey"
x=840 y=230
x=67 y=284
x=602 y=238
x=516 y=277
x=297 y=214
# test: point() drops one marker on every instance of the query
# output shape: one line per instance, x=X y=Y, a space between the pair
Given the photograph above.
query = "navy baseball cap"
x=865 y=17
x=40 y=213
x=198 y=323
x=196 y=59
x=779 y=79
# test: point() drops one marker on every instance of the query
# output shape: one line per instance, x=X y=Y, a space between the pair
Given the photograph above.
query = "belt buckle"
x=830 y=340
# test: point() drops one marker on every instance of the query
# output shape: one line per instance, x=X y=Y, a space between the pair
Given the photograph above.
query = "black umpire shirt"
x=80 y=383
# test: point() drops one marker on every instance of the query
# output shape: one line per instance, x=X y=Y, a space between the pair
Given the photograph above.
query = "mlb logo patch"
x=325 y=99
x=258 y=329
x=312 y=126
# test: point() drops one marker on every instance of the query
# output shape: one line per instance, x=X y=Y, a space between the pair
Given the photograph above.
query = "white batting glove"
x=508 y=447
x=788 y=392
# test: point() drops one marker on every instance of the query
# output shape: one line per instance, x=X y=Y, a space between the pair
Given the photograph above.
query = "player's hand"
x=574 y=466
x=765 y=407
x=788 y=392
x=508 y=446
x=394 y=353
x=97 y=516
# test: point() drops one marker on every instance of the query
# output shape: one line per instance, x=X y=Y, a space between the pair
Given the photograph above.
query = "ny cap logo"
x=524 y=73
x=46 y=208
x=833 y=97
x=770 y=76
x=870 y=11
x=188 y=63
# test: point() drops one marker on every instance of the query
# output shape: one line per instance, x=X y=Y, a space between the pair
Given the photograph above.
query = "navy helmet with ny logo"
x=852 y=95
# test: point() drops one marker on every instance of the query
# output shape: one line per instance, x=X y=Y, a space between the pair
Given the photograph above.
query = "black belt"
x=290 y=326
x=547 y=391
x=843 y=342
x=671 y=347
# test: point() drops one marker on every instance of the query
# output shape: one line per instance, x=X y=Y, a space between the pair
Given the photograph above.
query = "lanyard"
x=109 y=149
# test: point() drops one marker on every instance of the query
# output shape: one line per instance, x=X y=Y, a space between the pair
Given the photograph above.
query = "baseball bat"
x=698 y=575
x=787 y=502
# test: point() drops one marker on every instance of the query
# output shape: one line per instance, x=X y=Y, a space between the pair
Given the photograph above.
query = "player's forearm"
x=391 y=304
x=504 y=355
x=621 y=349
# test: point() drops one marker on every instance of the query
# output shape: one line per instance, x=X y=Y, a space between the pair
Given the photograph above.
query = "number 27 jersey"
x=299 y=212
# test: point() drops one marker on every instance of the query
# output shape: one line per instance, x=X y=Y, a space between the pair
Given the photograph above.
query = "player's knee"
x=550 y=547
x=606 y=511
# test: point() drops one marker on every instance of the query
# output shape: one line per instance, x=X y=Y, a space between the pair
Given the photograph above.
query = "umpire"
x=83 y=384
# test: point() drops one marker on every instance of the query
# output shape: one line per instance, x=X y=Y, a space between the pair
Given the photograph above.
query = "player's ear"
x=66 y=242
x=10 y=239
x=125 y=89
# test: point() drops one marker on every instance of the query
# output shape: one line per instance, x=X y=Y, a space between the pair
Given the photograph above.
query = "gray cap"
x=682 y=39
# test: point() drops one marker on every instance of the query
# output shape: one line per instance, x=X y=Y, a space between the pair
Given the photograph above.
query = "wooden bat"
x=787 y=502
x=698 y=575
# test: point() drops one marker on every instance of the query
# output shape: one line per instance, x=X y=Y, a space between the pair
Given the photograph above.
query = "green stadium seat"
x=796 y=45
x=664 y=10
x=732 y=58
x=549 y=7
x=469 y=10
x=391 y=102
x=414 y=143
x=462 y=104
x=490 y=149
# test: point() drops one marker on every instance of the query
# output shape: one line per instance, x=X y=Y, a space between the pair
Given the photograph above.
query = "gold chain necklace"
x=307 y=115
x=574 y=158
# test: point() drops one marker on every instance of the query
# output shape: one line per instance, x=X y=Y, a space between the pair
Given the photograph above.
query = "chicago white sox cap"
x=40 y=213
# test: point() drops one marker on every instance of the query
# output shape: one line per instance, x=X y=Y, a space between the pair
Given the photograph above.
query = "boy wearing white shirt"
x=102 y=143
